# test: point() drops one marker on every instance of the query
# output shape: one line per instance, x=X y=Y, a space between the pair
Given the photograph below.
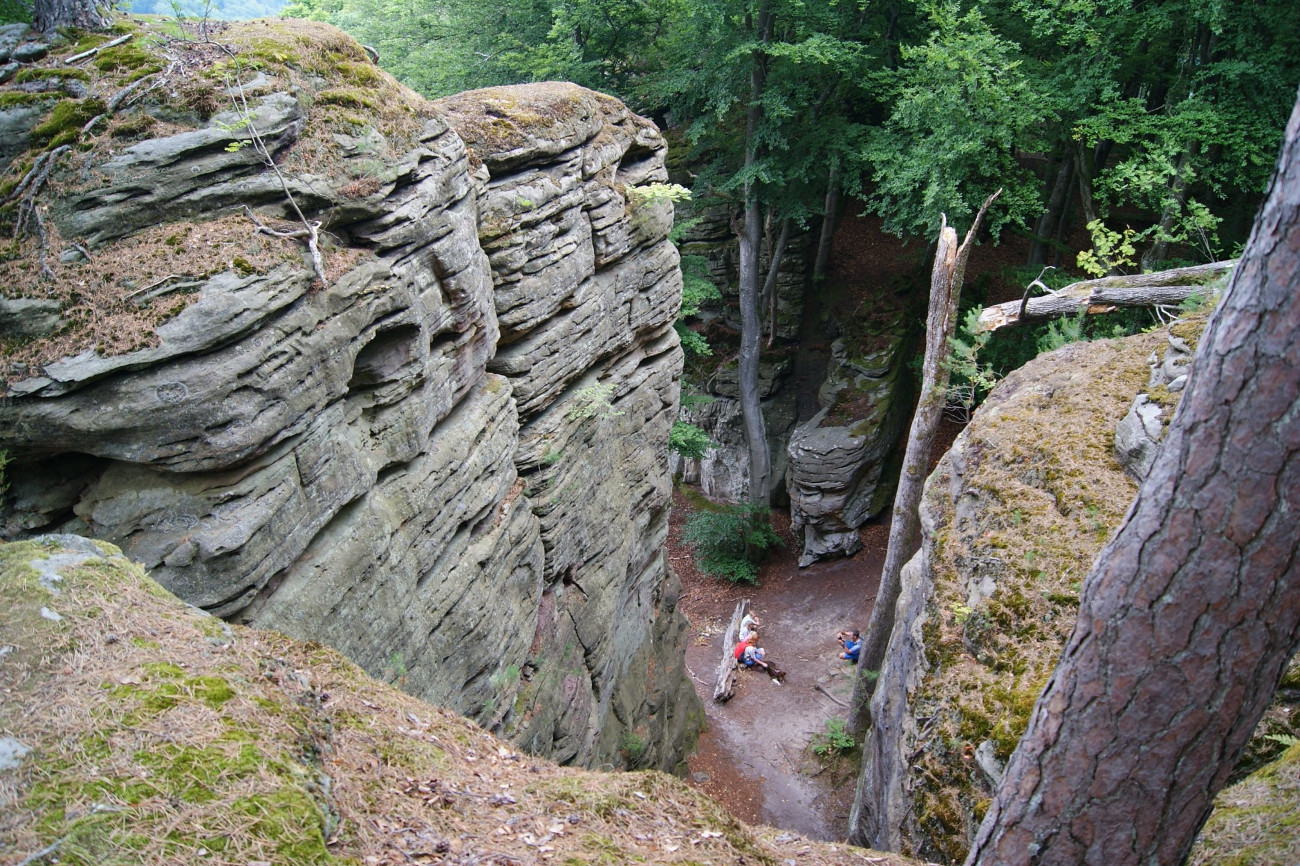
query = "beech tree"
x=50 y=15
x=1191 y=613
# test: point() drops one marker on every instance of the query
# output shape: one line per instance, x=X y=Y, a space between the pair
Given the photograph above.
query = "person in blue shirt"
x=852 y=643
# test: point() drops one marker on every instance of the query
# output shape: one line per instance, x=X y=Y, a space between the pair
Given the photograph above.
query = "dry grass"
x=181 y=83
x=1257 y=821
x=114 y=302
x=162 y=735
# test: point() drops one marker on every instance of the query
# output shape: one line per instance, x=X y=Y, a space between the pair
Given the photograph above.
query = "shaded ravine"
x=754 y=757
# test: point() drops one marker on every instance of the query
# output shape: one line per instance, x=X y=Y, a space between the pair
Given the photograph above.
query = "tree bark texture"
x=1191 y=613
x=751 y=324
x=48 y=15
x=945 y=291
x=1105 y=295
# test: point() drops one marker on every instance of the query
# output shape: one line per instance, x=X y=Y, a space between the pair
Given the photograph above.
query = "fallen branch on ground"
x=76 y=58
x=726 y=684
x=819 y=687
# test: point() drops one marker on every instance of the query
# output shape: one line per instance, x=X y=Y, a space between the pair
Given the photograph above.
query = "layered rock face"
x=450 y=462
x=837 y=479
x=723 y=473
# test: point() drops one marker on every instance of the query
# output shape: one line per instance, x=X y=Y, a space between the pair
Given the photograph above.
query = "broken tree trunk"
x=726 y=685
x=1104 y=295
x=945 y=292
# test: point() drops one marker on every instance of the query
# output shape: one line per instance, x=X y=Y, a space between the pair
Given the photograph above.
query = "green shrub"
x=833 y=740
x=689 y=441
x=693 y=342
x=731 y=540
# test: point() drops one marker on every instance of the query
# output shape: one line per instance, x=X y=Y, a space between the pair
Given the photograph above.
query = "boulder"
x=837 y=459
x=1010 y=522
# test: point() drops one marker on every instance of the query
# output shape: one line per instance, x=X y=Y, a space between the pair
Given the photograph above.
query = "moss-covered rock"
x=1012 y=518
x=1255 y=822
x=158 y=734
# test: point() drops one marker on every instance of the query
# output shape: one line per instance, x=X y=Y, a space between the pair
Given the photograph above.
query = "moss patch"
x=67 y=119
x=1041 y=494
x=1257 y=821
x=172 y=747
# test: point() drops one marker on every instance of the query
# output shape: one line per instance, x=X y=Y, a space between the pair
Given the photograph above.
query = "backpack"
x=739 y=651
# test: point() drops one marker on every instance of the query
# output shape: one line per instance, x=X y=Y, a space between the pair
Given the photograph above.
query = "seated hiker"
x=852 y=643
x=748 y=625
x=750 y=654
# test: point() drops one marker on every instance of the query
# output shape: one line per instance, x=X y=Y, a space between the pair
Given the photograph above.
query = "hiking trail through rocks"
x=754 y=757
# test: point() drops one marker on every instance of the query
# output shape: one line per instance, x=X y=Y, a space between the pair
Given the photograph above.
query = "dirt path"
x=754 y=758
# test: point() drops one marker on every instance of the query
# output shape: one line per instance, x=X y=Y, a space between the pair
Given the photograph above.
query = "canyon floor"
x=755 y=756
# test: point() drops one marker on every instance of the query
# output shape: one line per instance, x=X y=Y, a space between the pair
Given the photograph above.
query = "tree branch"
x=1104 y=295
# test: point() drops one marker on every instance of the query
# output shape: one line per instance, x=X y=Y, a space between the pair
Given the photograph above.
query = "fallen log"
x=726 y=683
x=1105 y=295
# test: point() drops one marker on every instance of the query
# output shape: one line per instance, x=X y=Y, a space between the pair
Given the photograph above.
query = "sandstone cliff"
x=1011 y=521
x=448 y=461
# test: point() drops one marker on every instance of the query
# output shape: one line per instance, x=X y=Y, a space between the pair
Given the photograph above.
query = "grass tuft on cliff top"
x=114 y=303
x=159 y=734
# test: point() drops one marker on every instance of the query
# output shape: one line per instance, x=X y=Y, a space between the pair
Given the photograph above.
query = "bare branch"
x=76 y=58
x=311 y=230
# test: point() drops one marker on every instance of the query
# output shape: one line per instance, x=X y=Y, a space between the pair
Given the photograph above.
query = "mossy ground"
x=1041 y=493
x=182 y=80
x=162 y=735
x=1257 y=821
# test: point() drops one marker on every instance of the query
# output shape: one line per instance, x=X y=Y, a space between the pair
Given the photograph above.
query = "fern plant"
x=834 y=740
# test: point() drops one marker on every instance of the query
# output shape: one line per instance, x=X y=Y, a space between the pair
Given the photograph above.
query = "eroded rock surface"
x=451 y=461
x=1139 y=434
x=837 y=478
x=723 y=472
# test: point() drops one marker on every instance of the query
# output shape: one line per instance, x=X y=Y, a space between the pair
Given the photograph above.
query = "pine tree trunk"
x=48 y=15
x=1191 y=613
x=945 y=291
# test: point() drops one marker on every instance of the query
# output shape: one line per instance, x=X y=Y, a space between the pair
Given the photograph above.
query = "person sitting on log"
x=748 y=625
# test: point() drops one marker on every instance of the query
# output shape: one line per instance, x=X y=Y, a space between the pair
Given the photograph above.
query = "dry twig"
x=310 y=232
x=76 y=58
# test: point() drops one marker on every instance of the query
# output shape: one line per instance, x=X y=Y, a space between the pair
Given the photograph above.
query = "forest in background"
x=1157 y=120
x=232 y=10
